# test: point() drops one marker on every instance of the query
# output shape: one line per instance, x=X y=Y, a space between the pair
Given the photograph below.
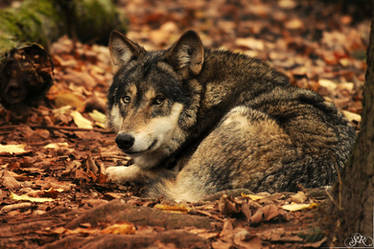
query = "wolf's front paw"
x=121 y=174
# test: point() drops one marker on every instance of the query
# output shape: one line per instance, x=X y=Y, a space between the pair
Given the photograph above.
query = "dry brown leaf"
x=51 y=193
x=71 y=99
x=244 y=239
x=294 y=24
x=81 y=121
x=228 y=206
x=265 y=213
x=13 y=149
x=57 y=146
x=328 y=84
x=227 y=232
x=219 y=244
x=80 y=78
x=81 y=174
x=98 y=117
x=11 y=207
x=352 y=116
x=253 y=196
x=179 y=208
x=287 y=4
x=279 y=235
x=299 y=197
x=250 y=42
x=122 y=228
x=28 y=198
x=83 y=231
x=203 y=233
x=8 y=181
x=59 y=230
x=297 y=206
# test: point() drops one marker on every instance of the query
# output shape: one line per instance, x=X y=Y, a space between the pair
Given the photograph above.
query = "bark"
x=357 y=190
x=26 y=31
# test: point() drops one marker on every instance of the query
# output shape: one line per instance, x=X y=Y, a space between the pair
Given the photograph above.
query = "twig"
x=340 y=187
x=205 y=213
x=11 y=207
x=332 y=199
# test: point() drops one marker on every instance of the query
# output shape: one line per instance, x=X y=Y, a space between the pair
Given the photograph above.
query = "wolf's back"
x=283 y=138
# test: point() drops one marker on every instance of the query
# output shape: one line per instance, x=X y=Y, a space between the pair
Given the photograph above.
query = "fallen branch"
x=166 y=239
x=118 y=211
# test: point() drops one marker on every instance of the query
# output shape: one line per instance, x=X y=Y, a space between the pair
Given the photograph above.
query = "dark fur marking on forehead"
x=150 y=61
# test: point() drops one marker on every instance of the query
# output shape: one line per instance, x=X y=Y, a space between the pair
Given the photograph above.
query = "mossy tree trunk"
x=27 y=31
x=357 y=189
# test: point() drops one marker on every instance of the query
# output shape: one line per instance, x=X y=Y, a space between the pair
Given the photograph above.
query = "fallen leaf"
x=299 y=197
x=14 y=149
x=11 y=207
x=328 y=84
x=82 y=230
x=69 y=99
x=279 y=235
x=180 y=208
x=287 y=4
x=244 y=239
x=8 y=181
x=203 y=233
x=265 y=213
x=294 y=24
x=59 y=230
x=250 y=42
x=81 y=121
x=252 y=196
x=219 y=244
x=28 y=198
x=98 y=117
x=123 y=228
x=228 y=206
x=56 y=146
x=297 y=206
x=227 y=233
x=51 y=193
x=352 y=116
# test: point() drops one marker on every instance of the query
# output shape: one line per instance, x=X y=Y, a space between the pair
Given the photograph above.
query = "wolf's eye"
x=126 y=99
x=158 y=100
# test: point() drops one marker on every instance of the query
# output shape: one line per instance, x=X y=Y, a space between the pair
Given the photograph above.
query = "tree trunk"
x=26 y=32
x=357 y=188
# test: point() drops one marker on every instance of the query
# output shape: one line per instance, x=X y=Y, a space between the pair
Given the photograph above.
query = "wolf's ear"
x=187 y=54
x=122 y=50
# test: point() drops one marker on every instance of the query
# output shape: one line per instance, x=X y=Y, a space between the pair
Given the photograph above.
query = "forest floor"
x=53 y=192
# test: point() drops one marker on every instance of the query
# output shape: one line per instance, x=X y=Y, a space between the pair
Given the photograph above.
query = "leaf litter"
x=52 y=161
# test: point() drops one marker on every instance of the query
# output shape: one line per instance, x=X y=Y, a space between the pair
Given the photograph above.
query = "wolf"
x=197 y=121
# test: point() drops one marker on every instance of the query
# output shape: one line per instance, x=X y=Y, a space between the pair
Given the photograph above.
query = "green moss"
x=43 y=21
x=96 y=19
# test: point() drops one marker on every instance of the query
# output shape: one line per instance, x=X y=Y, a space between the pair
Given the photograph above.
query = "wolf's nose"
x=125 y=141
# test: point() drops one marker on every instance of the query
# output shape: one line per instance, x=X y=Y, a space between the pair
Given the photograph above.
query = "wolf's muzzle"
x=125 y=141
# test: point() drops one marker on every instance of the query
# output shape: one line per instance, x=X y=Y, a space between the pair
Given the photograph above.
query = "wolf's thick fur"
x=197 y=121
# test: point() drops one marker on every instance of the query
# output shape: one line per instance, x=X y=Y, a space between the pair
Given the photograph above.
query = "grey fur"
x=240 y=124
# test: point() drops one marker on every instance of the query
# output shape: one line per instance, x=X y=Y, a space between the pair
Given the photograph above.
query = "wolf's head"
x=151 y=96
